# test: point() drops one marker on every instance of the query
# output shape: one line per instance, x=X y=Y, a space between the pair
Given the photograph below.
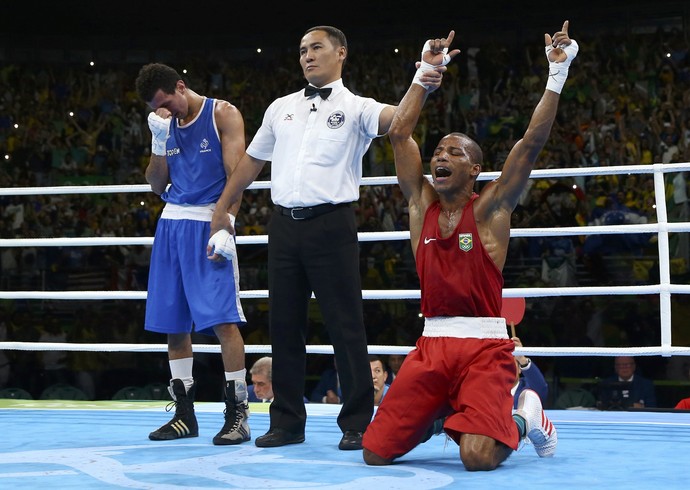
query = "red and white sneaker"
x=540 y=431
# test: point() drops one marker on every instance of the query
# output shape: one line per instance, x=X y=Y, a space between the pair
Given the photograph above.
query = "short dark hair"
x=154 y=77
x=336 y=36
x=376 y=357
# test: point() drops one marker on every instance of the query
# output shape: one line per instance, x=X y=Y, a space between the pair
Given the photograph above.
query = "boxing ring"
x=103 y=443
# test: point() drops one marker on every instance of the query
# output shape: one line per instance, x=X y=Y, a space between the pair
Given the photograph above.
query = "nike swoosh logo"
x=428 y=240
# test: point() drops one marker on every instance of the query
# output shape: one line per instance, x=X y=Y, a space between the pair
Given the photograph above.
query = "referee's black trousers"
x=320 y=254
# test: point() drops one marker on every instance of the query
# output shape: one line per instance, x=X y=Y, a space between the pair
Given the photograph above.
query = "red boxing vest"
x=456 y=274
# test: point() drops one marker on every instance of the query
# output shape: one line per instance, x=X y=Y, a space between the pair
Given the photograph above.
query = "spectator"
x=328 y=388
x=529 y=377
x=626 y=388
x=379 y=376
x=261 y=387
x=683 y=404
x=394 y=363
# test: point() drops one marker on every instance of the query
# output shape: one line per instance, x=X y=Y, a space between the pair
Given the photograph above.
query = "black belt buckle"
x=296 y=217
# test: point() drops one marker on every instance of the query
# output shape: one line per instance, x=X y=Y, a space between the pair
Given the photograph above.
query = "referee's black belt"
x=309 y=212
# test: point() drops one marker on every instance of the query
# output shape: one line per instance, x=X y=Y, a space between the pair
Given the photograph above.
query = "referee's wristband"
x=526 y=366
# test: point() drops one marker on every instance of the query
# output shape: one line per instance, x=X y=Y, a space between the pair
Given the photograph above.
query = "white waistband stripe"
x=465 y=327
x=196 y=213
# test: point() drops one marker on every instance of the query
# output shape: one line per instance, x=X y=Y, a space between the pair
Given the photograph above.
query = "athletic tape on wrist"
x=558 y=72
x=424 y=66
x=158 y=147
x=159 y=133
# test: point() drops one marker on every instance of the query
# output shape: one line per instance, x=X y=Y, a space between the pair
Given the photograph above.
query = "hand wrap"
x=223 y=243
x=159 y=133
x=424 y=66
x=558 y=72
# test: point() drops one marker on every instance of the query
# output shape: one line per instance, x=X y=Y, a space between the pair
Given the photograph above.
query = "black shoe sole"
x=348 y=446
x=261 y=442
x=170 y=437
x=351 y=441
x=219 y=441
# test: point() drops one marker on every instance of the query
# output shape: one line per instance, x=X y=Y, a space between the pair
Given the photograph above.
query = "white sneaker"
x=540 y=431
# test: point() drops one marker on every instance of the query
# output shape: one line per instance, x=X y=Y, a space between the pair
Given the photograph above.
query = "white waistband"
x=465 y=327
x=203 y=212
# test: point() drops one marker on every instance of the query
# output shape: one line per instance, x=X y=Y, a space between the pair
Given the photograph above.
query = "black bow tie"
x=310 y=91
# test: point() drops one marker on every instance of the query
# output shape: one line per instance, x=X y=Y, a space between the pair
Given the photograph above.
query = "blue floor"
x=104 y=445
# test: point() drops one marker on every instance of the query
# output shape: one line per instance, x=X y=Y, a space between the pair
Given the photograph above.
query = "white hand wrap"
x=159 y=133
x=223 y=243
x=558 y=72
x=424 y=66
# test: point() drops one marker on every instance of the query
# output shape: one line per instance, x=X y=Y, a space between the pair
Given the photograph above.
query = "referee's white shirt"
x=316 y=145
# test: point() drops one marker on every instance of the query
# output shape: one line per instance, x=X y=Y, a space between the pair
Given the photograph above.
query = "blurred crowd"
x=626 y=102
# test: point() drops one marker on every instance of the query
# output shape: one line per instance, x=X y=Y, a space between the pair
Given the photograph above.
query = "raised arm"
x=560 y=51
x=385 y=119
x=408 y=160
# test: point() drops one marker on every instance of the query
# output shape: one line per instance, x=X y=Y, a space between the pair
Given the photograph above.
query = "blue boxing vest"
x=195 y=160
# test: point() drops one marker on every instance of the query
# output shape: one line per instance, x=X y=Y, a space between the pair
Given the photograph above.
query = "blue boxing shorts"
x=186 y=290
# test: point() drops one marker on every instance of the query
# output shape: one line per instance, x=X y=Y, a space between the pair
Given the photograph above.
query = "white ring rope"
x=370 y=294
x=385 y=180
x=662 y=228
x=367 y=236
x=328 y=349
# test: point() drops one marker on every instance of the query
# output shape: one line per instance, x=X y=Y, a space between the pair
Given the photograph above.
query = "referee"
x=315 y=140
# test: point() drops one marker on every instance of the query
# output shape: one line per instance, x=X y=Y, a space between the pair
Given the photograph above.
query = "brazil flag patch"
x=465 y=241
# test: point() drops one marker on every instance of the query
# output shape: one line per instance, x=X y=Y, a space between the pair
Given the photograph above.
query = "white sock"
x=182 y=369
x=240 y=375
x=240 y=379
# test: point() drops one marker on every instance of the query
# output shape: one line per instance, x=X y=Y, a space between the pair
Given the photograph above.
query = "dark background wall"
x=118 y=30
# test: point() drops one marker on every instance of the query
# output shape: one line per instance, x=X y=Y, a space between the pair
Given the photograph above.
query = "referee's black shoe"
x=352 y=439
x=279 y=437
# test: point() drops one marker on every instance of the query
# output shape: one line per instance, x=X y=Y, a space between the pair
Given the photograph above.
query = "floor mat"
x=104 y=445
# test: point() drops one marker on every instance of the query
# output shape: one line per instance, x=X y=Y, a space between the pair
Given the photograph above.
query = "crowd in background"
x=627 y=102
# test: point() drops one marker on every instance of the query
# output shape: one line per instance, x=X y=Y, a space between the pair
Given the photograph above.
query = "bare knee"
x=477 y=461
x=482 y=453
x=374 y=459
x=179 y=345
x=226 y=331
